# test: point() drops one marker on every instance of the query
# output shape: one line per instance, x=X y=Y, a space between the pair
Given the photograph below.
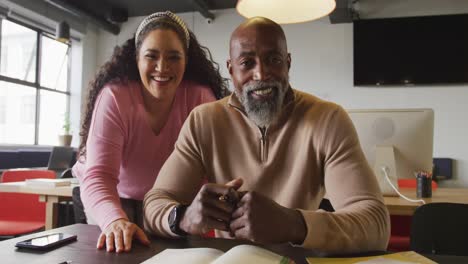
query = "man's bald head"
x=258 y=26
x=259 y=65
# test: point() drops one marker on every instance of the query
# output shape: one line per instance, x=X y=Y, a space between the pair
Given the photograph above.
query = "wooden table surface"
x=399 y=206
x=22 y=187
x=84 y=249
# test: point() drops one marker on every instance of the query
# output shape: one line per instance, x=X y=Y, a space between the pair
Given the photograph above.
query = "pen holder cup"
x=424 y=187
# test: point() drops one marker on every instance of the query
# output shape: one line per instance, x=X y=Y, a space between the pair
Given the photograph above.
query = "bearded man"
x=264 y=158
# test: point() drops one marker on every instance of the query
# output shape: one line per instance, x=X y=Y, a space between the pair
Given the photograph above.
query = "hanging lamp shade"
x=62 y=32
x=286 y=11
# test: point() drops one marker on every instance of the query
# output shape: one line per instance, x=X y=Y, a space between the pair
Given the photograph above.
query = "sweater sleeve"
x=103 y=159
x=360 y=221
x=177 y=181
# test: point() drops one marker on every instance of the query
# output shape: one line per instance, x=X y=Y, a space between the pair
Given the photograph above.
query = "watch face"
x=175 y=218
x=172 y=217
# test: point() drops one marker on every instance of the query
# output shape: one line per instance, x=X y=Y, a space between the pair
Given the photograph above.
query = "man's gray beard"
x=262 y=112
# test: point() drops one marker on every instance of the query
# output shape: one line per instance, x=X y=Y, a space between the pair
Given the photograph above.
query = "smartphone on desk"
x=47 y=242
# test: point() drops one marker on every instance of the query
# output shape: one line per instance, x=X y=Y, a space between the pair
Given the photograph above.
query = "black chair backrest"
x=78 y=208
x=440 y=228
x=60 y=158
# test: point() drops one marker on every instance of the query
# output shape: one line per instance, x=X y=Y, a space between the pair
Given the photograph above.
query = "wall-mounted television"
x=411 y=51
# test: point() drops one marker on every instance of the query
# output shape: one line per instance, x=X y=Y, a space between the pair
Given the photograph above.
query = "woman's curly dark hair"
x=122 y=68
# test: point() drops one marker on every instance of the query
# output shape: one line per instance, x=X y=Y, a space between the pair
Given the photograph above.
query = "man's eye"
x=246 y=63
x=150 y=56
x=276 y=60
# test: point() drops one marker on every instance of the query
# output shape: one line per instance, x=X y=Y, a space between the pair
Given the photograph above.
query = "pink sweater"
x=123 y=155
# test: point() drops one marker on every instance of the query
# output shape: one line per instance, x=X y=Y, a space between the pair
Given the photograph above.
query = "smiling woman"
x=161 y=63
x=136 y=106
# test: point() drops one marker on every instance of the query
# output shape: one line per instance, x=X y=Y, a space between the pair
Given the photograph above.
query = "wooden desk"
x=84 y=250
x=51 y=196
x=399 y=206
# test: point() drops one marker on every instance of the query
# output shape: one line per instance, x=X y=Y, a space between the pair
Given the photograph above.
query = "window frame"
x=36 y=84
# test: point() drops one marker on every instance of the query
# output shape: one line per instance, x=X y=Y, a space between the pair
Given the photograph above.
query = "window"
x=2 y=109
x=16 y=129
x=21 y=43
x=28 y=103
x=34 y=90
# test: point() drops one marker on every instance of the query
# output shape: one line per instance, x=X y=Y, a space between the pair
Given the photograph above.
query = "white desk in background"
x=49 y=195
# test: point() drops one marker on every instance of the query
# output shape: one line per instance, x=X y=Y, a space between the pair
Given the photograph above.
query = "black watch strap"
x=174 y=220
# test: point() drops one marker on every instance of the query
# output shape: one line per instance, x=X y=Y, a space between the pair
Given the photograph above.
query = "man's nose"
x=260 y=72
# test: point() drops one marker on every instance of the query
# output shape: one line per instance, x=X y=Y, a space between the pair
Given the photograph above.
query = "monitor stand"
x=385 y=157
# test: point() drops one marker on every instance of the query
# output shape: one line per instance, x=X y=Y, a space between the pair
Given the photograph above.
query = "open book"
x=238 y=254
x=407 y=257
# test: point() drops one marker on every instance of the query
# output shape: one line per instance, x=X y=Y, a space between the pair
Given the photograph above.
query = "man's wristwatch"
x=174 y=220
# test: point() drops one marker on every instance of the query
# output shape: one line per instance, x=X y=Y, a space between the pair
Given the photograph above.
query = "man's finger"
x=216 y=189
x=236 y=183
x=216 y=213
x=241 y=194
x=221 y=205
x=212 y=223
x=237 y=224
x=241 y=233
x=239 y=212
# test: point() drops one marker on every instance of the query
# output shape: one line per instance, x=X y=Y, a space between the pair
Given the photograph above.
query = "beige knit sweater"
x=312 y=149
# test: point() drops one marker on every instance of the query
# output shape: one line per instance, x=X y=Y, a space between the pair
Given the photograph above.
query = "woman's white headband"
x=159 y=15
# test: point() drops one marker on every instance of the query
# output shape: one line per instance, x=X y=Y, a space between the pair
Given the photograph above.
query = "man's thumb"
x=235 y=184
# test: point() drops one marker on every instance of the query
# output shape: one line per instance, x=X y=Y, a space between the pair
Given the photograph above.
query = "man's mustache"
x=258 y=85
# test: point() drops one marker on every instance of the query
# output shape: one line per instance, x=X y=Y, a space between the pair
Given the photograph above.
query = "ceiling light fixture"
x=286 y=12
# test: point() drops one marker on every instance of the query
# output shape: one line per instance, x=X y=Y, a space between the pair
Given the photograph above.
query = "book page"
x=251 y=254
x=186 y=255
x=382 y=260
x=407 y=257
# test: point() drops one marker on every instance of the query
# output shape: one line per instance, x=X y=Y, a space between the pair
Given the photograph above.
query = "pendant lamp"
x=286 y=11
x=62 y=32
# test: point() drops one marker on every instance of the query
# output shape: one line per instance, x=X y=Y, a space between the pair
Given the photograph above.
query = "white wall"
x=83 y=67
x=322 y=64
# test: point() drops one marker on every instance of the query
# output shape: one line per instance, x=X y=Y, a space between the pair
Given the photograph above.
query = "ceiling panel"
x=145 y=7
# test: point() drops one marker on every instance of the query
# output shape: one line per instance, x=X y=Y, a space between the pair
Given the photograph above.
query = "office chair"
x=401 y=224
x=79 y=215
x=66 y=174
x=22 y=213
x=78 y=208
x=440 y=228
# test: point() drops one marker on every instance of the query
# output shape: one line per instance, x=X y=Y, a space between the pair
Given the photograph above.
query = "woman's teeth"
x=263 y=91
x=161 y=79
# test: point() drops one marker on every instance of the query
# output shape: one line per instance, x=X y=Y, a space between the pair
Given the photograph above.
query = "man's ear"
x=289 y=60
x=229 y=66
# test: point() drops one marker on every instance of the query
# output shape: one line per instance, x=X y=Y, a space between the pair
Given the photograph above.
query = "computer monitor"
x=60 y=158
x=400 y=140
